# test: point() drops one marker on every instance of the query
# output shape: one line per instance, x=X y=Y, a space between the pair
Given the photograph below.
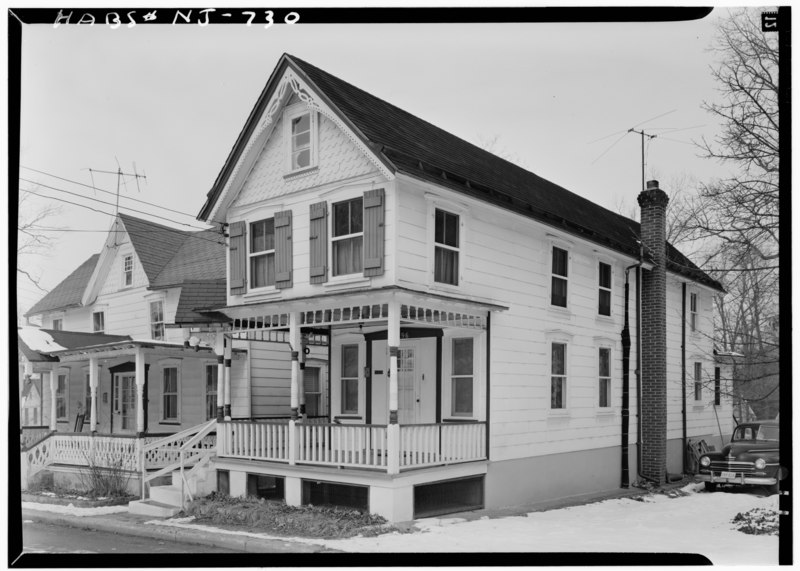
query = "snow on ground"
x=74 y=511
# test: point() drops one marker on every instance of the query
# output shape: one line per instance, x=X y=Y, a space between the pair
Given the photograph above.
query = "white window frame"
x=694 y=304
x=163 y=321
x=564 y=376
x=126 y=271
x=551 y=257
x=436 y=202
x=608 y=378
x=333 y=239
x=291 y=113
x=342 y=379
x=457 y=249
x=251 y=255
x=60 y=321
x=697 y=386
x=163 y=365
x=102 y=313
x=454 y=377
x=601 y=288
x=66 y=374
x=206 y=392
x=320 y=393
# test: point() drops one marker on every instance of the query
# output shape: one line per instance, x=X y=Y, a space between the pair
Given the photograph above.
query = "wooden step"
x=152 y=508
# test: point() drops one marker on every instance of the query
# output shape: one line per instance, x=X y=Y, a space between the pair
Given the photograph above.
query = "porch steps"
x=153 y=508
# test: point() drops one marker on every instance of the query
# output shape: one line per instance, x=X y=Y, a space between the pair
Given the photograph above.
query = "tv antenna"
x=643 y=134
x=120 y=179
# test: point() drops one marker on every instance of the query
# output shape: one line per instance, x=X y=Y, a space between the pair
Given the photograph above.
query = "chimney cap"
x=651 y=184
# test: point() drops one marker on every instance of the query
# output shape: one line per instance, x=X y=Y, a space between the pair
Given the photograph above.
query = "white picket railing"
x=437 y=444
x=99 y=451
x=263 y=440
x=359 y=445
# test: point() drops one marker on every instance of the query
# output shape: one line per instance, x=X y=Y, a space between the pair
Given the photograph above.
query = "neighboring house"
x=473 y=308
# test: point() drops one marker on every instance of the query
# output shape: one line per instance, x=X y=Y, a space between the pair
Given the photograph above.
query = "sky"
x=558 y=99
x=657 y=524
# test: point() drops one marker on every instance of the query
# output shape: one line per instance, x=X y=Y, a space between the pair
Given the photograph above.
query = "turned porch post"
x=227 y=384
x=294 y=344
x=93 y=393
x=393 y=430
x=140 y=372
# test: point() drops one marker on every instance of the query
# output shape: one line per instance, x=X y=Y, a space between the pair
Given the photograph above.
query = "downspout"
x=626 y=357
x=639 y=365
x=683 y=372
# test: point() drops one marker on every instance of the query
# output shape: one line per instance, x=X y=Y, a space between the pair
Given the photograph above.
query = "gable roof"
x=155 y=244
x=201 y=256
x=419 y=149
x=67 y=293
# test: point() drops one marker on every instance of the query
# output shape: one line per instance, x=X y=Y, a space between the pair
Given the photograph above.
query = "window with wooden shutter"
x=238 y=258
x=318 y=248
x=283 y=249
x=374 y=234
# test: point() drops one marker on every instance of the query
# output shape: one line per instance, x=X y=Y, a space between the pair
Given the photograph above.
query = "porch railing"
x=101 y=451
x=30 y=435
x=360 y=446
x=161 y=451
x=263 y=440
x=437 y=444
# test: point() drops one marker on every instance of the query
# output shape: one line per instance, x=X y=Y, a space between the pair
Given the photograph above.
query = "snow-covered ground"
x=694 y=523
x=72 y=510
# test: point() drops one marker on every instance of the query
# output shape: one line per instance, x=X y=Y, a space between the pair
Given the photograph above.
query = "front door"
x=416 y=381
x=125 y=401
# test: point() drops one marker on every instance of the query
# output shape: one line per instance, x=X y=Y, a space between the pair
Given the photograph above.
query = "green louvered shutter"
x=237 y=245
x=318 y=248
x=283 y=249
x=373 y=232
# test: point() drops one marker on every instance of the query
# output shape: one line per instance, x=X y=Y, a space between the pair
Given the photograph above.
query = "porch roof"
x=110 y=350
x=363 y=305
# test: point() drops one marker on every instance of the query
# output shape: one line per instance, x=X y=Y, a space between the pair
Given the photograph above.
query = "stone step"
x=152 y=508
x=170 y=495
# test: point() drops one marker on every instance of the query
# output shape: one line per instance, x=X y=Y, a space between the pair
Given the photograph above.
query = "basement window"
x=448 y=497
x=224 y=482
x=265 y=487
x=331 y=494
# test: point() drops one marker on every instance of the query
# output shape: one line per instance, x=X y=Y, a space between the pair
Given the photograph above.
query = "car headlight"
x=705 y=461
x=760 y=464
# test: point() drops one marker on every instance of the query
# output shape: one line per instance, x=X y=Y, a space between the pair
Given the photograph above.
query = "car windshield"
x=763 y=432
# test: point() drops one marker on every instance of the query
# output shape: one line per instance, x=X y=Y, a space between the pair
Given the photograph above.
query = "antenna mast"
x=121 y=174
x=643 y=134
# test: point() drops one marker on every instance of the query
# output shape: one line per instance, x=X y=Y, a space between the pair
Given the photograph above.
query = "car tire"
x=711 y=486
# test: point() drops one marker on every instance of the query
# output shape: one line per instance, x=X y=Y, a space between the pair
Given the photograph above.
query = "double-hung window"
x=604 y=374
x=349 y=379
x=446 y=236
x=693 y=311
x=169 y=408
x=212 y=376
x=348 y=237
x=98 y=322
x=312 y=391
x=58 y=324
x=127 y=270
x=463 y=377
x=558 y=288
x=300 y=126
x=604 y=292
x=61 y=396
x=558 y=375
x=262 y=253
x=698 y=381
x=157 y=320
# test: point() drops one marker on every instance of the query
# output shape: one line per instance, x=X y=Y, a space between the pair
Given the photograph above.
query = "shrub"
x=105 y=481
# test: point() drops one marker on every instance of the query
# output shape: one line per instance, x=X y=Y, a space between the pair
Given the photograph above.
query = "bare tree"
x=32 y=240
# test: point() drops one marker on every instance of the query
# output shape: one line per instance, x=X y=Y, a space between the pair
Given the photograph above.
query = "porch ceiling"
x=363 y=306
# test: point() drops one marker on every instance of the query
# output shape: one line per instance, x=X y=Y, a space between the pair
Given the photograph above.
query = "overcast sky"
x=555 y=98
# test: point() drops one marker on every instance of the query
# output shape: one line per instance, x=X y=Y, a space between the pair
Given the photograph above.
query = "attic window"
x=127 y=270
x=301 y=127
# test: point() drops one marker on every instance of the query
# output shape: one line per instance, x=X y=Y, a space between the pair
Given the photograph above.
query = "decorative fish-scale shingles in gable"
x=339 y=159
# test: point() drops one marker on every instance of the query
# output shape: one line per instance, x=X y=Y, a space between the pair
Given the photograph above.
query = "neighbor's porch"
x=407 y=388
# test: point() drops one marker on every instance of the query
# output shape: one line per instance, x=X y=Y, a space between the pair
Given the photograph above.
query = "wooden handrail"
x=175 y=437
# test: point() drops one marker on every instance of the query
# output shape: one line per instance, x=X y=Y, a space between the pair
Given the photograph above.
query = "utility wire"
x=93 y=187
x=107 y=203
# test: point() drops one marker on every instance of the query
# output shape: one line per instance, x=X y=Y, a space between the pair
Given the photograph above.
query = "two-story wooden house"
x=474 y=312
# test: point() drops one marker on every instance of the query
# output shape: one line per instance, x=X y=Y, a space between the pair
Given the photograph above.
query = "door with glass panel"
x=125 y=402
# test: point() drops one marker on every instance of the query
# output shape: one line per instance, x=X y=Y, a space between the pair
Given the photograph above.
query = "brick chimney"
x=653 y=202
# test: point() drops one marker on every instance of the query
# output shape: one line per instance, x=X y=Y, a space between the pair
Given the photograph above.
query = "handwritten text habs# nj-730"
x=202 y=18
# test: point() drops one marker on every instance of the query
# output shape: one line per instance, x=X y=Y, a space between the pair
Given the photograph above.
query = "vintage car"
x=750 y=459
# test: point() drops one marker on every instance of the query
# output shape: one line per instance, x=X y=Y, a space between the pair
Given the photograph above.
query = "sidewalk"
x=125 y=523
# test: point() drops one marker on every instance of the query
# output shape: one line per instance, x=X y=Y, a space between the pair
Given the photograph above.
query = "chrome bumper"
x=739 y=479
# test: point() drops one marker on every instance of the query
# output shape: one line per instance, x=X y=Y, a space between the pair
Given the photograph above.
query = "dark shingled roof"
x=155 y=244
x=69 y=292
x=201 y=295
x=200 y=257
x=417 y=148
x=68 y=340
